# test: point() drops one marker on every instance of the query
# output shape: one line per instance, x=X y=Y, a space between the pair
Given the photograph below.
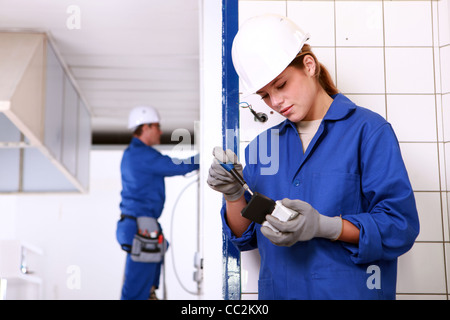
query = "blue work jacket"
x=352 y=168
x=143 y=170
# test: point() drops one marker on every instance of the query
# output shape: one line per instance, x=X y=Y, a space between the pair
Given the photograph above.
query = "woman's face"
x=292 y=93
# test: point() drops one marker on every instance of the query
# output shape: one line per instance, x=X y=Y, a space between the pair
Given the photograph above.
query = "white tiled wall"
x=392 y=57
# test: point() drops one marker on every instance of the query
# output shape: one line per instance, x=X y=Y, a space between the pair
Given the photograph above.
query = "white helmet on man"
x=142 y=115
x=263 y=47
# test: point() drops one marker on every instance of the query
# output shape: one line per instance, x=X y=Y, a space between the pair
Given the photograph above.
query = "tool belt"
x=149 y=244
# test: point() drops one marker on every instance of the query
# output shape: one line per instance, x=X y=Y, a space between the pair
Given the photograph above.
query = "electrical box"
x=250 y=126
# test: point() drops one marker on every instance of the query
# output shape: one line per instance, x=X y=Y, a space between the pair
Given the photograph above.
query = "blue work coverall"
x=143 y=170
x=352 y=168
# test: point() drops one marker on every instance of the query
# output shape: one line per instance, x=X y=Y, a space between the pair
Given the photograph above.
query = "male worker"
x=143 y=171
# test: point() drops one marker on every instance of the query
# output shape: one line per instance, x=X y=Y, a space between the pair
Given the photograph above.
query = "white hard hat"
x=263 y=47
x=142 y=115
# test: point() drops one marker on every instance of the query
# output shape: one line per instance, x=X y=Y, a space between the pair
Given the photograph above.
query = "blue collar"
x=137 y=142
x=340 y=108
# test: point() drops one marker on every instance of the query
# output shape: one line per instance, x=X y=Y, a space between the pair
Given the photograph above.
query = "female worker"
x=340 y=168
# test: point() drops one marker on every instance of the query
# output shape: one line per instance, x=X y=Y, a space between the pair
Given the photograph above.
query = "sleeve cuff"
x=369 y=248
x=248 y=239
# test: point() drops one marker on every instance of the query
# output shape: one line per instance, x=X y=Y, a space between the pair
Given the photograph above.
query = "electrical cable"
x=171 y=237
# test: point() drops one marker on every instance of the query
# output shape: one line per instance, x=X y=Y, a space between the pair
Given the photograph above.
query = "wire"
x=259 y=116
x=171 y=239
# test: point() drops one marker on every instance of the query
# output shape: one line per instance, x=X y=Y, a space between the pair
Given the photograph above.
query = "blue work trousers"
x=139 y=279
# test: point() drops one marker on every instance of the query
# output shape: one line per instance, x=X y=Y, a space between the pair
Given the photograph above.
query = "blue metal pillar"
x=230 y=131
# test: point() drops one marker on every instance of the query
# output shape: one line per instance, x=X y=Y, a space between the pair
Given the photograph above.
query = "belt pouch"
x=148 y=244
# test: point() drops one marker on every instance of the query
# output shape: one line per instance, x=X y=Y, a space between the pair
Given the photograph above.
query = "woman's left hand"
x=306 y=225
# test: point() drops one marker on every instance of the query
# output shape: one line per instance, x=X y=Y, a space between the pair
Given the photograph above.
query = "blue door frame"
x=230 y=132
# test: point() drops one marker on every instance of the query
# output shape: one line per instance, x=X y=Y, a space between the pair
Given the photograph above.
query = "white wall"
x=210 y=136
x=443 y=47
x=82 y=259
x=394 y=58
x=76 y=232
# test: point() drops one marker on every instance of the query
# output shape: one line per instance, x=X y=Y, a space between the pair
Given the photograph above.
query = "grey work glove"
x=220 y=179
x=306 y=225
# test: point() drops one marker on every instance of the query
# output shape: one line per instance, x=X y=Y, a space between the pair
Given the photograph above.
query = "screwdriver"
x=231 y=169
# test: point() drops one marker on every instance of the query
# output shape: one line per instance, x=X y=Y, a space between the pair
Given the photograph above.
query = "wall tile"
x=409 y=70
x=359 y=23
x=444 y=22
x=415 y=272
x=413 y=117
x=437 y=69
x=316 y=18
x=422 y=165
x=446 y=116
x=360 y=70
x=442 y=173
x=421 y=297
x=249 y=296
x=249 y=271
x=430 y=216
x=446 y=215
x=445 y=69
x=439 y=118
x=376 y=103
x=435 y=23
x=407 y=23
x=327 y=56
x=447 y=259
x=248 y=9
x=447 y=165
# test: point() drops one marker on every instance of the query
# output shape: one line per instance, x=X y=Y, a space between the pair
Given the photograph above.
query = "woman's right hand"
x=220 y=179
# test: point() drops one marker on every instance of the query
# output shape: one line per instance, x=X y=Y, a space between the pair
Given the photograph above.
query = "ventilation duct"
x=45 y=127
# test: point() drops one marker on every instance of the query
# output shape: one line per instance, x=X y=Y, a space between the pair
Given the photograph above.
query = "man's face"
x=152 y=133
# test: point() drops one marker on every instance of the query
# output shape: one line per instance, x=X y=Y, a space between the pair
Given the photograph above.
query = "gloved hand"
x=220 y=179
x=306 y=225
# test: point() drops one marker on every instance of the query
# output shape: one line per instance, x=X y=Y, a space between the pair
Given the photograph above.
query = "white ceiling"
x=125 y=53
